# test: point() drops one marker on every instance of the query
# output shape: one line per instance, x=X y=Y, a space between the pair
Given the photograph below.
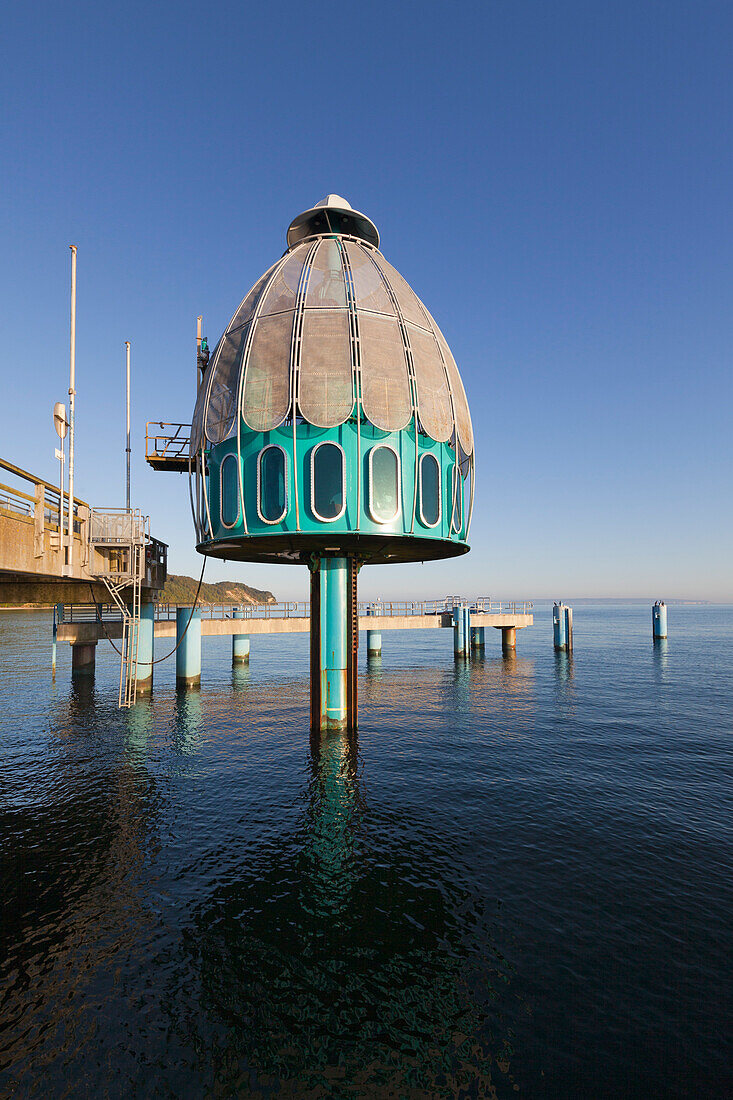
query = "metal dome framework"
x=331 y=334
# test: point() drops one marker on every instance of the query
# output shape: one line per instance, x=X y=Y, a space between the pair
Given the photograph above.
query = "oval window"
x=327 y=481
x=429 y=490
x=384 y=484
x=272 y=497
x=229 y=490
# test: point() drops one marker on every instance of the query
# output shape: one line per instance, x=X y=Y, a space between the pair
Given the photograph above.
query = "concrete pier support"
x=478 y=637
x=461 y=631
x=659 y=620
x=334 y=642
x=508 y=639
x=558 y=626
x=188 y=653
x=145 y=648
x=374 y=643
x=83 y=659
x=240 y=644
x=569 y=629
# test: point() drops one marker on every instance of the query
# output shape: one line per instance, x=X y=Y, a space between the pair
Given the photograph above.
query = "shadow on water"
x=334 y=965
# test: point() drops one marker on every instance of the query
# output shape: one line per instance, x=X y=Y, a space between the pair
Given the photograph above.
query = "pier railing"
x=300 y=609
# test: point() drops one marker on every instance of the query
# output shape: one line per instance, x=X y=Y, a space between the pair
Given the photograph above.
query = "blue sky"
x=553 y=179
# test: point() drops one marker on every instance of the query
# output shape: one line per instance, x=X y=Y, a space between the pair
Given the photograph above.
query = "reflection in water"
x=187 y=725
x=661 y=658
x=334 y=960
x=241 y=677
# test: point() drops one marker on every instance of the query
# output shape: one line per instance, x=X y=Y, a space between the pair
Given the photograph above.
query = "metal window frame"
x=272 y=447
x=398 y=511
x=225 y=459
x=457 y=500
x=429 y=454
x=314 y=511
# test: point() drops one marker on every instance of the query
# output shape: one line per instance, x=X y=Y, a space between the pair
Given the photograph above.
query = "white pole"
x=72 y=395
x=198 y=353
x=60 y=452
x=127 y=346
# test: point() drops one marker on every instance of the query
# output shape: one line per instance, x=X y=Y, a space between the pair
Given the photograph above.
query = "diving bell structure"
x=331 y=426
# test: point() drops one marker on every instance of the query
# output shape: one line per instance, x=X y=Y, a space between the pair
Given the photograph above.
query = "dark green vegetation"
x=183 y=590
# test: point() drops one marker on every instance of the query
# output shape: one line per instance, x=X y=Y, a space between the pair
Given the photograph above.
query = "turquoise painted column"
x=659 y=620
x=478 y=637
x=240 y=644
x=558 y=626
x=333 y=576
x=188 y=653
x=374 y=643
x=145 y=647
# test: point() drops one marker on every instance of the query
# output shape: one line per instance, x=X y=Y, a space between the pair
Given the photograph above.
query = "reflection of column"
x=661 y=657
x=188 y=711
x=331 y=865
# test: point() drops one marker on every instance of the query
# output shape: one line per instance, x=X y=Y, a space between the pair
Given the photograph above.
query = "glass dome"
x=332 y=335
x=330 y=313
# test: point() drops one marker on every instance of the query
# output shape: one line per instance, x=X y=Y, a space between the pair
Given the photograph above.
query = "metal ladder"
x=130 y=625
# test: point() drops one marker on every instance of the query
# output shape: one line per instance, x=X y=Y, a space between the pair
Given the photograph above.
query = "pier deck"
x=84 y=629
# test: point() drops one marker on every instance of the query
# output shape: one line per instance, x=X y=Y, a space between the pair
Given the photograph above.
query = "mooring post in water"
x=240 y=644
x=374 y=638
x=659 y=620
x=558 y=626
x=461 y=631
x=188 y=652
x=478 y=637
x=145 y=647
x=334 y=642
x=569 y=629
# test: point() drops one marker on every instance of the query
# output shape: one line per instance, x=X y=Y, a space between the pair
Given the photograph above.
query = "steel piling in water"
x=659 y=620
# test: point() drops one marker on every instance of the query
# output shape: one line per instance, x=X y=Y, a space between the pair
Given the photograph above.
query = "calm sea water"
x=515 y=881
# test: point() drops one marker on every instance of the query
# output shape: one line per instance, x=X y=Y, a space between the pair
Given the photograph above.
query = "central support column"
x=334 y=642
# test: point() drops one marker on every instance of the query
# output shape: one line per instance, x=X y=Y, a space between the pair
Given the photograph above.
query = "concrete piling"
x=508 y=639
x=188 y=651
x=145 y=648
x=83 y=658
x=559 y=626
x=240 y=644
x=659 y=620
x=478 y=637
x=374 y=643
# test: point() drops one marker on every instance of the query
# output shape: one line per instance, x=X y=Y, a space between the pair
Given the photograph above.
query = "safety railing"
x=398 y=608
x=169 y=446
x=90 y=613
x=13 y=499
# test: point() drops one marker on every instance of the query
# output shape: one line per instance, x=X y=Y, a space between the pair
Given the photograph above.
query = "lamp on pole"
x=72 y=395
x=61 y=424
